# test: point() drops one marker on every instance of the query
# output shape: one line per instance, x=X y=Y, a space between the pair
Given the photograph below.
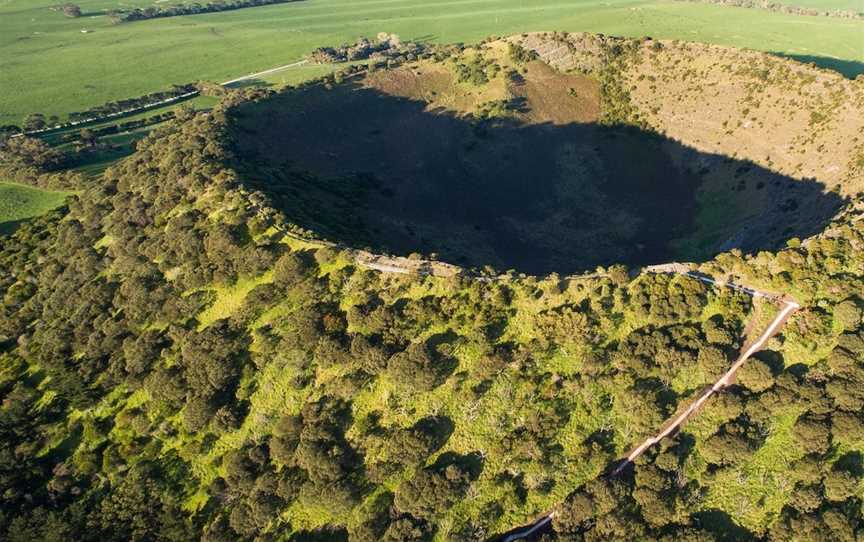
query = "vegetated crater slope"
x=487 y=156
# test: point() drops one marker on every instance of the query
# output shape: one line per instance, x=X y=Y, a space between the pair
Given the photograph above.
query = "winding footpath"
x=674 y=423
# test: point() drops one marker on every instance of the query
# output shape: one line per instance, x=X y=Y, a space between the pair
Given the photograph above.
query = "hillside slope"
x=794 y=119
x=177 y=364
x=488 y=156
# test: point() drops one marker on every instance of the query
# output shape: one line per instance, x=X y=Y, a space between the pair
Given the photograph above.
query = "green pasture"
x=51 y=66
x=19 y=202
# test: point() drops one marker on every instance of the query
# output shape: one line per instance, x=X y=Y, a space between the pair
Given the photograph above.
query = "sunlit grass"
x=19 y=202
x=230 y=298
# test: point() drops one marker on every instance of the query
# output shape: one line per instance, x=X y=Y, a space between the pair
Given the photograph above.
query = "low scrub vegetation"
x=155 y=12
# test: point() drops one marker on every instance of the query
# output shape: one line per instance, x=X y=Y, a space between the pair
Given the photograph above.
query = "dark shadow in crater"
x=376 y=171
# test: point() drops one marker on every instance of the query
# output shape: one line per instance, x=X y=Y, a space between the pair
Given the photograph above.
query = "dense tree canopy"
x=177 y=365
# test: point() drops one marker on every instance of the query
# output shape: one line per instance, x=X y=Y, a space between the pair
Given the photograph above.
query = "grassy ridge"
x=18 y=202
x=51 y=66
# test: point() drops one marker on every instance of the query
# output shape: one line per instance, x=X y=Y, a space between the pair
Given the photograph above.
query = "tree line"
x=155 y=12
x=779 y=7
x=39 y=122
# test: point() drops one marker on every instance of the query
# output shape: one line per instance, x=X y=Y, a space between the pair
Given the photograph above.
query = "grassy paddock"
x=19 y=202
x=49 y=65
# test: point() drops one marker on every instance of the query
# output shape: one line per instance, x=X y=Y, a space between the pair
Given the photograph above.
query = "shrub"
x=416 y=367
x=519 y=54
x=433 y=489
x=755 y=375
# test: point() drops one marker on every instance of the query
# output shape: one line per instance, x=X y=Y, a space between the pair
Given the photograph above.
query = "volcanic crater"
x=514 y=155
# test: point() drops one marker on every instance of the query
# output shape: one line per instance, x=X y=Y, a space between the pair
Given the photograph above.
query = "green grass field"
x=19 y=202
x=49 y=65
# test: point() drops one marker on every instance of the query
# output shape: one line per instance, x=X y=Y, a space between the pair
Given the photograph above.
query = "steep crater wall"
x=482 y=160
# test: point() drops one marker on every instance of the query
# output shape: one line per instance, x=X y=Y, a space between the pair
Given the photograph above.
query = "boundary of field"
x=116 y=114
x=788 y=9
x=155 y=105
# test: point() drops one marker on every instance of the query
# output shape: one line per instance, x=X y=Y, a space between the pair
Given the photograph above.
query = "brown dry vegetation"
x=790 y=118
x=561 y=163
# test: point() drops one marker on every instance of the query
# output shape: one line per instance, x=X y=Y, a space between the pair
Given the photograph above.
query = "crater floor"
x=517 y=173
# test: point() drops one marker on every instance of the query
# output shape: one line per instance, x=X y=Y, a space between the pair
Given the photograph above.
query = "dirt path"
x=529 y=530
x=265 y=72
x=674 y=423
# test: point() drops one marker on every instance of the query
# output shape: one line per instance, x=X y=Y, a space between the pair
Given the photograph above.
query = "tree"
x=848 y=314
x=847 y=426
x=577 y=510
x=213 y=358
x=812 y=434
x=198 y=413
x=141 y=352
x=417 y=367
x=293 y=267
x=34 y=121
x=374 y=519
x=291 y=480
x=168 y=384
x=322 y=450
x=716 y=331
x=839 y=485
x=139 y=509
x=371 y=357
x=806 y=497
x=408 y=528
x=240 y=471
x=25 y=152
x=713 y=361
x=412 y=446
x=755 y=375
x=241 y=520
x=432 y=490
x=725 y=448
x=86 y=138
x=639 y=409
x=286 y=436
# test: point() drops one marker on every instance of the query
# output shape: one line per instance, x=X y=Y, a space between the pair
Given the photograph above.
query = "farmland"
x=19 y=202
x=50 y=65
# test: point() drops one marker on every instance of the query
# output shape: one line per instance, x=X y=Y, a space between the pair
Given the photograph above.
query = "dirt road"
x=265 y=72
x=724 y=381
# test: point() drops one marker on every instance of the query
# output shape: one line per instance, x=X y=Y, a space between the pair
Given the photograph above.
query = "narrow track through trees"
x=674 y=423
